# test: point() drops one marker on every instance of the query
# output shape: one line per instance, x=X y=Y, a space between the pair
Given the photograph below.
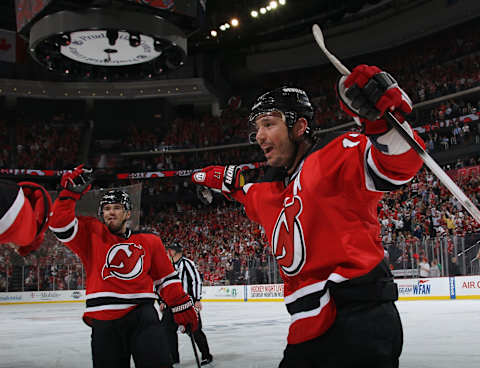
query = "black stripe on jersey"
x=306 y=303
x=9 y=193
x=158 y=287
x=173 y=277
x=109 y=300
x=62 y=235
x=379 y=183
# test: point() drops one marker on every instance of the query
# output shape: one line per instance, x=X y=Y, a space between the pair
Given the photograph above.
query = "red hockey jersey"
x=122 y=272
x=322 y=223
x=17 y=220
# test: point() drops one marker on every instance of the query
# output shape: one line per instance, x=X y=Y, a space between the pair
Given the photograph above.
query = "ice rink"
x=438 y=334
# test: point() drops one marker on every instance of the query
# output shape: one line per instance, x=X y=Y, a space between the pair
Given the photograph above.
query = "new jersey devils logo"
x=288 y=245
x=124 y=261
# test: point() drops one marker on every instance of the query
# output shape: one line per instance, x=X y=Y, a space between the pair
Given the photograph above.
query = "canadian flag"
x=7 y=46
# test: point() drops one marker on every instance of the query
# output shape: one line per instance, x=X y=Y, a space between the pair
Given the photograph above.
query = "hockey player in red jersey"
x=24 y=214
x=123 y=268
x=318 y=207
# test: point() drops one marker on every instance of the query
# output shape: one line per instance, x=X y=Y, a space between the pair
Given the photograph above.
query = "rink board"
x=460 y=287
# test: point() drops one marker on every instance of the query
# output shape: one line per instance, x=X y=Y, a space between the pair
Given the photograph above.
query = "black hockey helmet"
x=292 y=102
x=115 y=196
x=177 y=247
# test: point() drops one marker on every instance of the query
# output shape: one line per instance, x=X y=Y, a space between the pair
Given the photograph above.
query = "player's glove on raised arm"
x=223 y=178
x=184 y=312
x=367 y=93
x=77 y=182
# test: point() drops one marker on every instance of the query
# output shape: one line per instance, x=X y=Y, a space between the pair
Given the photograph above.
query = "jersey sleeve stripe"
x=9 y=217
x=246 y=187
x=309 y=289
x=108 y=307
x=169 y=282
x=324 y=300
x=65 y=228
x=67 y=233
x=173 y=275
x=378 y=173
x=104 y=294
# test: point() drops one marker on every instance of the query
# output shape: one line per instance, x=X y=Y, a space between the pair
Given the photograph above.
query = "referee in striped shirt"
x=192 y=284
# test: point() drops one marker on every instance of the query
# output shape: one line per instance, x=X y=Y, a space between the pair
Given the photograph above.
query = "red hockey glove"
x=78 y=181
x=224 y=178
x=367 y=93
x=41 y=204
x=184 y=312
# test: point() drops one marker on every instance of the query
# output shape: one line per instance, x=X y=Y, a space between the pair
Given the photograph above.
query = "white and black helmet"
x=292 y=102
x=115 y=196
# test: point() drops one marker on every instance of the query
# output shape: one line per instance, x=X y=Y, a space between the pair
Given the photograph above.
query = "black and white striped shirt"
x=190 y=278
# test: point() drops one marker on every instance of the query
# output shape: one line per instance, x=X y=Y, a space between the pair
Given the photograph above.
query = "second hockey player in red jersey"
x=318 y=206
x=122 y=268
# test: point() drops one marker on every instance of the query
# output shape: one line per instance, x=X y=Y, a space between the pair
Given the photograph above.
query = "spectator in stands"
x=435 y=269
x=424 y=267
x=453 y=268
x=475 y=264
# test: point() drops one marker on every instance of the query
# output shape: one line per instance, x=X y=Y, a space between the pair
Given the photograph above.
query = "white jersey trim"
x=118 y=295
x=73 y=224
x=109 y=307
x=246 y=187
x=65 y=228
x=375 y=169
x=159 y=281
x=174 y=281
x=309 y=289
x=324 y=300
x=11 y=215
x=370 y=185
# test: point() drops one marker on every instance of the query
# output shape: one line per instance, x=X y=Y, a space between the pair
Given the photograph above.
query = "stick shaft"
x=426 y=158
x=195 y=352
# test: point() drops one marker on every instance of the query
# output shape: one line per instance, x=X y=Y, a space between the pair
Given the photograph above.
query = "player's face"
x=272 y=137
x=115 y=217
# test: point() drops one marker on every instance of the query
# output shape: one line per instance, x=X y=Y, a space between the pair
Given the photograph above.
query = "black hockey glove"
x=78 y=182
x=367 y=93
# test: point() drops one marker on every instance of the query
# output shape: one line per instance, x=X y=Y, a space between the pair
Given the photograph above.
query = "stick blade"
x=318 y=34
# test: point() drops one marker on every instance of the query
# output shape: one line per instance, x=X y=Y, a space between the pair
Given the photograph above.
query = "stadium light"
x=213 y=33
x=254 y=13
x=282 y=2
x=263 y=10
x=234 y=22
x=223 y=28
x=227 y=25
x=269 y=7
x=273 y=5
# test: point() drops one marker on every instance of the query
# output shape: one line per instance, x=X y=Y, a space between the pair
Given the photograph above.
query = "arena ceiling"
x=292 y=19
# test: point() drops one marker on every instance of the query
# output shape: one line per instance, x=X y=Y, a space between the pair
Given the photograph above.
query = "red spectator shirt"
x=121 y=272
x=322 y=224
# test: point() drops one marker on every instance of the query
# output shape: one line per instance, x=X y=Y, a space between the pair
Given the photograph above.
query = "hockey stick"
x=427 y=159
x=190 y=333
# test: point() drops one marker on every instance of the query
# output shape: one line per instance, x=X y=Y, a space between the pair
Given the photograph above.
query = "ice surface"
x=438 y=334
